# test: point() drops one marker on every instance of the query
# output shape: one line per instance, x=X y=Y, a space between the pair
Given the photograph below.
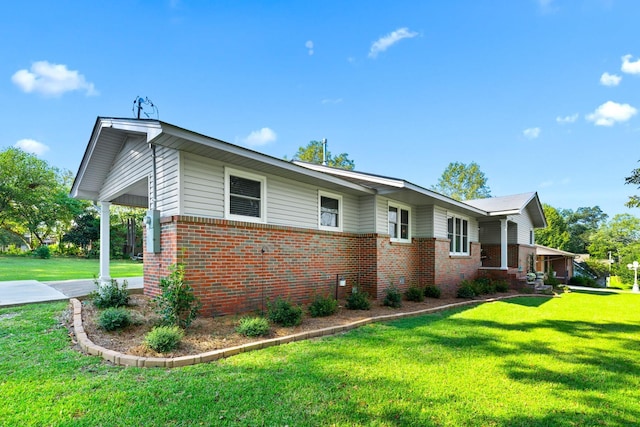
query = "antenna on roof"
x=324 y=152
x=138 y=108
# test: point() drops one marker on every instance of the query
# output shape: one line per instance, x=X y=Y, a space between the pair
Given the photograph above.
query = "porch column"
x=105 y=247
x=503 y=245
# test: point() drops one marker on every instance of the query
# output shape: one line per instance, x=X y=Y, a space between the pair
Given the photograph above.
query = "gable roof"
x=547 y=251
x=513 y=205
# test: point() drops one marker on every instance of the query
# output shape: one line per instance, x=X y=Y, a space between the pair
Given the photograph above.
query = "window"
x=458 y=235
x=245 y=198
x=531 y=237
x=330 y=214
x=399 y=229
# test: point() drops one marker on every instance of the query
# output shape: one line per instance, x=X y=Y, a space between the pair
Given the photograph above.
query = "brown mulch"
x=207 y=333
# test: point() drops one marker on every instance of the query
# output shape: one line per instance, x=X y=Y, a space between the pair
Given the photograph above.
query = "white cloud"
x=611 y=112
x=32 y=146
x=567 y=119
x=260 y=137
x=531 y=133
x=630 y=67
x=384 y=43
x=51 y=79
x=607 y=79
x=309 y=46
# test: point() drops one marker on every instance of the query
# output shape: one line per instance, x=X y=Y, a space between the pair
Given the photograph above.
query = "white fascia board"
x=351 y=174
x=151 y=128
x=259 y=157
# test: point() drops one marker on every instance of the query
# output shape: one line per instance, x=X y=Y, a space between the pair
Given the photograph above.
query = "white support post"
x=503 y=245
x=105 y=247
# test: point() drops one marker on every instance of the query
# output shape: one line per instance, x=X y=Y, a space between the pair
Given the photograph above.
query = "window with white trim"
x=399 y=226
x=458 y=235
x=329 y=211
x=245 y=196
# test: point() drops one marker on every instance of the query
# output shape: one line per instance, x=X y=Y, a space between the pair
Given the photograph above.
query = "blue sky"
x=542 y=94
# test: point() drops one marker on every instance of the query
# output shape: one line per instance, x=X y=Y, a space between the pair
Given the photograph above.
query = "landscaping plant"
x=414 y=293
x=323 y=306
x=358 y=300
x=114 y=318
x=164 y=338
x=466 y=290
x=432 y=291
x=393 y=297
x=253 y=327
x=284 y=313
x=177 y=304
x=110 y=294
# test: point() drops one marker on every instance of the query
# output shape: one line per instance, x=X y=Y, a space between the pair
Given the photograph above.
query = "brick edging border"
x=173 y=362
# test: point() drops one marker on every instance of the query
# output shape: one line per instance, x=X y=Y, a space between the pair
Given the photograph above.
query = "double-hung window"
x=330 y=211
x=458 y=235
x=245 y=196
x=399 y=225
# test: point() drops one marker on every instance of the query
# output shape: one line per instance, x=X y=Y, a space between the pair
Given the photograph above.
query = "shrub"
x=114 y=318
x=176 y=305
x=253 y=327
x=284 y=313
x=466 y=290
x=358 y=300
x=323 y=306
x=164 y=338
x=501 y=286
x=414 y=293
x=393 y=297
x=110 y=294
x=42 y=252
x=583 y=281
x=432 y=291
x=483 y=286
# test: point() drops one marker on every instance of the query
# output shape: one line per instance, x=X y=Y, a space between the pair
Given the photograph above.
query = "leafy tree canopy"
x=312 y=153
x=463 y=182
x=581 y=224
x=556 y=234
x=33 y=196
x=634 y=201
x=621 y=236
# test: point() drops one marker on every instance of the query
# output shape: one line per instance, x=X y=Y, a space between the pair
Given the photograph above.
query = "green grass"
x=531 y=361
x=30 y=268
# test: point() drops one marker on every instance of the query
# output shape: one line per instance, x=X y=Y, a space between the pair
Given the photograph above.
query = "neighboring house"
x=559 y=263
x=249 y=227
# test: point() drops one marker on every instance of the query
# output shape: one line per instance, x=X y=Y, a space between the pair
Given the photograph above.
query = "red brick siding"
x=236 y=267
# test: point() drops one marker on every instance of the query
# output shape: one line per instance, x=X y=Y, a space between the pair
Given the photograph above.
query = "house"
x=558 y=263
x=249 y=227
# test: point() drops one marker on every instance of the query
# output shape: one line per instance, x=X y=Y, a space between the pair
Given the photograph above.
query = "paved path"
x=29 y=291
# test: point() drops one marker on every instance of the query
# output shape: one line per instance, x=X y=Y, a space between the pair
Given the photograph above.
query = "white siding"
x=424 y=221
x=132 y=164
x=367 y=217
x=439 y=222
x=524 y=226
x=168 y=171
x=202 y=187
x=289 y=203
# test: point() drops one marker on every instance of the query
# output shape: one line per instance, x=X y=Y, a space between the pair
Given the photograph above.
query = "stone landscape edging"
x=123 y=359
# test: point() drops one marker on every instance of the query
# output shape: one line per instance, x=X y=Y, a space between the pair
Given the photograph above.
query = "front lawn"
x=530 y=361
x=52 y=269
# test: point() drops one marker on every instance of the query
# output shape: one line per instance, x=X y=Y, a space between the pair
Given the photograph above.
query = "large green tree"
x=312 y=153
x=556 y=234
x=34 y=197
x=581 y=225
x=463 y=182
x=634 y=201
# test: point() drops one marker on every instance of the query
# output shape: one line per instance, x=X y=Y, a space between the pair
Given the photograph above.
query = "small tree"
x=463 y=182
x=177 y=305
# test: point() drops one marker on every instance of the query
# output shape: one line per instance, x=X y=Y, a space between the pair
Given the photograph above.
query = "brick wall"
x=236 y=267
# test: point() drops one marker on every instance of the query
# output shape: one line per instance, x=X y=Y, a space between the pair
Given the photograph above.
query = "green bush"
x=483 y=286
x=164 y=338
x=323 y=306
x=432 y=291
x=466 y=289
x=358 y=300
x=284 y=313
x=501 y=286
x=114 y=318
x=176 y=305
x=583 y=281
x=253 y=327
x=393 y=297
x=414 y=293
x=110 y=294
x=42 y=252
